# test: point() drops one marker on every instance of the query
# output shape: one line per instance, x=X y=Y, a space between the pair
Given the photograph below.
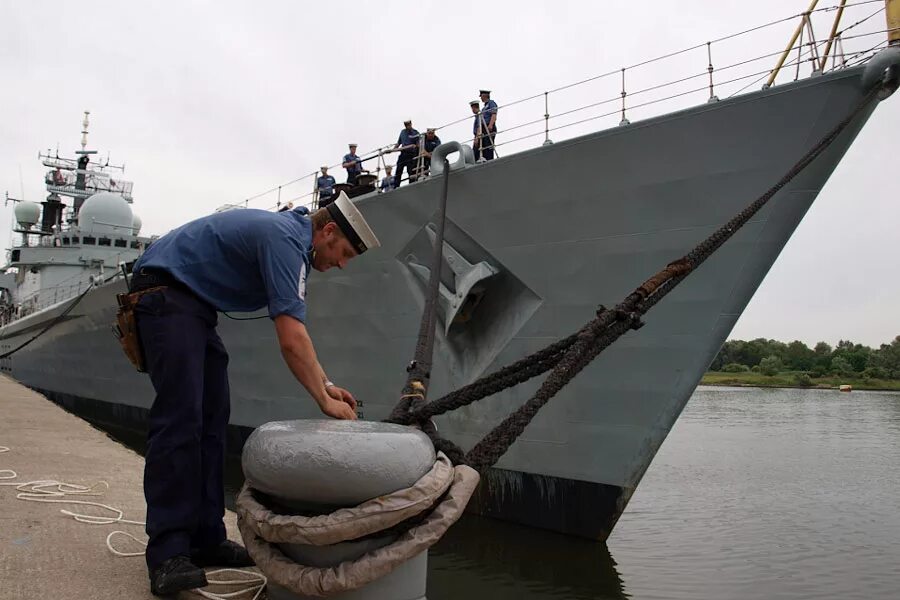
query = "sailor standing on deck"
x=430 y=142
x=353 y=164
x=325 y=186
x=476 y=128
x=239 y=260
x=408 y=143
x=488 y=125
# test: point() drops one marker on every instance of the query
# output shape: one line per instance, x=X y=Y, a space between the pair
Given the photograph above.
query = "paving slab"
x=45 y=554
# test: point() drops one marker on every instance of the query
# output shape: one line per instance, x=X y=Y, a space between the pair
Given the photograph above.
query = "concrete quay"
x=46 y=554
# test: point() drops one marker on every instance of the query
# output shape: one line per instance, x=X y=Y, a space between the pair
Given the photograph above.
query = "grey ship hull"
x=565 y=227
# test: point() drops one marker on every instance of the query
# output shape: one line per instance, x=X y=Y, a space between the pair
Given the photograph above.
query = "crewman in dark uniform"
x=237 y=260
x=353 y=164
x=488 y=125
x=430 y=142
x=325 y=186
x=476 y=128
x=408 y=143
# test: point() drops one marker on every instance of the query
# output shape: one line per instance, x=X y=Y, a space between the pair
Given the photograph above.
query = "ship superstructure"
x=80 y=236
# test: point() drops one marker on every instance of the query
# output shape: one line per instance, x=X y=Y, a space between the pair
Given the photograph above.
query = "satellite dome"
x=27 y=214
x=105 y=213
x=136 y=225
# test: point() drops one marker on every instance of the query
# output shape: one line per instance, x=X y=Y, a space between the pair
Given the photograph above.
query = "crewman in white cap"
x=488 y=125
x=353 y=164
x=408 y=144
x=241 y=261
x=325 y=186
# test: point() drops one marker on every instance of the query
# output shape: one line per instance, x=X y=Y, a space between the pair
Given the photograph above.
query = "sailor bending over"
x=239 y=260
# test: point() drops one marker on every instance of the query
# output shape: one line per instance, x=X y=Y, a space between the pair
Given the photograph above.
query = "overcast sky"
x=210 y=103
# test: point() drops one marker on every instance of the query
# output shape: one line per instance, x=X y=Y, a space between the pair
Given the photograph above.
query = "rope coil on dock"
x=50 y=491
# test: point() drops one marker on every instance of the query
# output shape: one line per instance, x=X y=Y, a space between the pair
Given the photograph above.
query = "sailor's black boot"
x=226 y=554
x=175 y=575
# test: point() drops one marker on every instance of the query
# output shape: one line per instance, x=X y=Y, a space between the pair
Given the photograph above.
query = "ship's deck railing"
x=704 y=72
x=40 y=300
x=66 y=289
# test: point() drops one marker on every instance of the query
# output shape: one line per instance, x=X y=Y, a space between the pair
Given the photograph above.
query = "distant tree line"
x=847 y=359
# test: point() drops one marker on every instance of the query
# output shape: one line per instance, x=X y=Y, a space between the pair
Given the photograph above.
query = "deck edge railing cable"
x=384 y=149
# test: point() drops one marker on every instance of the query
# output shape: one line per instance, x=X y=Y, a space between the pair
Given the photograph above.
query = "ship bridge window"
x=136 y=245
x=121 y=244
x=15 y=256
x=90 y=240
x=75 y=239
x=104 y=242
x=65 y=241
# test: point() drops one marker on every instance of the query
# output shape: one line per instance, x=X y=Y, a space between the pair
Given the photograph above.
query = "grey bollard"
x=321 y=465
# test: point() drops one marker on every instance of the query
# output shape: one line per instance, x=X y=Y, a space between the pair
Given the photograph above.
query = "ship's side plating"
x=537 y=240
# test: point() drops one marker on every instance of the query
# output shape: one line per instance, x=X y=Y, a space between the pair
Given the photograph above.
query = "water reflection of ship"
x=507 y=561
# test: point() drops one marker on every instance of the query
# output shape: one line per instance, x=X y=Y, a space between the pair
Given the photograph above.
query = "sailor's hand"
x=338 y=409
x=339 y=393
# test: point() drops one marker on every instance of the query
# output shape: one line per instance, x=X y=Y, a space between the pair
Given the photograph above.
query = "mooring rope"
x=51 y=491
x=415 y=390
x=567 y=357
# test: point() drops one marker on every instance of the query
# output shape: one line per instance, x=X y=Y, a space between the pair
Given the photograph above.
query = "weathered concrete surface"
x=43 y=553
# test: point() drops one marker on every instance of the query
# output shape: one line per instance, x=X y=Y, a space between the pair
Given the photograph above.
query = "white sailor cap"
x=474 y=103
x=351 y=222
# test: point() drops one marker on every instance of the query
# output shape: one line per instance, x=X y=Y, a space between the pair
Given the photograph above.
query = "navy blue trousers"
x=183 y=474
x=406 y=160
x=487 y=147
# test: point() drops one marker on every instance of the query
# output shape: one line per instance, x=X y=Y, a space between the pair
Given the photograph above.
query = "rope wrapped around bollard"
x=444 y=491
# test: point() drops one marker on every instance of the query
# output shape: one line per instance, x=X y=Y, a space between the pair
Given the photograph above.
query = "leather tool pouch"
x=125 y=327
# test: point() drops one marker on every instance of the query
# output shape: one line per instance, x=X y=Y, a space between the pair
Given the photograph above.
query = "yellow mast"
x=834 y=28
x=790 y=46
x=892 y=12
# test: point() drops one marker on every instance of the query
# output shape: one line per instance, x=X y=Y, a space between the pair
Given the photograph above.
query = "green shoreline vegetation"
x=770 y=363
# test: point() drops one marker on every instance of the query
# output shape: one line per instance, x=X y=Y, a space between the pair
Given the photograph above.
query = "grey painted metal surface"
x=565 y=227
x=321 y=462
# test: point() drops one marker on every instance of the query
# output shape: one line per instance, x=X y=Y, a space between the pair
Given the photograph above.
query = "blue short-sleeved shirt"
x=356 y=169
x=489 y=109
x=240 y=260
x=325 y=183
x=408 y=137
x=431 y=144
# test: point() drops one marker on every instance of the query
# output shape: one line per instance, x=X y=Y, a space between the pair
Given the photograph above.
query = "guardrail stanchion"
x=712 y=94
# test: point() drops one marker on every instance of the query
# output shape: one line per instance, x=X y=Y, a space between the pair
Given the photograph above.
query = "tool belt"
x=126 y=330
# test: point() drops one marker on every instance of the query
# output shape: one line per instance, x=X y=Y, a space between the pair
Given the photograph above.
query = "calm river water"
x=756 y=493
